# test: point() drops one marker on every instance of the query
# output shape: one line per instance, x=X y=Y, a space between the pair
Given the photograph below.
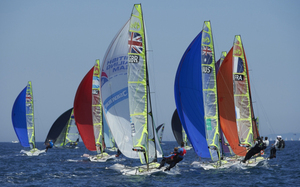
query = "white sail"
x=114 y=91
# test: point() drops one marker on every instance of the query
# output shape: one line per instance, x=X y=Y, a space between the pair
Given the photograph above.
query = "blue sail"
x=18 y=117
x=189 y=97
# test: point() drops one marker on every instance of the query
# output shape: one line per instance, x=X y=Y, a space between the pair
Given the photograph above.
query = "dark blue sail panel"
x=177 y=127
x=189 y=97
x=18 y=117
x=59 y=126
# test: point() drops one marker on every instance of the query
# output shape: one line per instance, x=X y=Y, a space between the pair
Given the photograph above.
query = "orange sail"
x=226 y=105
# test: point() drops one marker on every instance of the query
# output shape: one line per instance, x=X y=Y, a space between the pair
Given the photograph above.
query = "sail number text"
x=133 y=58
x=206 y=69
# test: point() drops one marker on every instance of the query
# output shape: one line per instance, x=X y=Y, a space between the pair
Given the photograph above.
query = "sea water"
x=67 y=167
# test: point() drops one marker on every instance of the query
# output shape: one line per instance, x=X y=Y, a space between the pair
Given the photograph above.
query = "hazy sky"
x=55 y=43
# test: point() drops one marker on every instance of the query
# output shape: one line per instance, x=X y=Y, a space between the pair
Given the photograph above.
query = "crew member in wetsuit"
x=279 y=143
x=179 y=157
x=260 y=145
x=49 y=145
x=169 y=159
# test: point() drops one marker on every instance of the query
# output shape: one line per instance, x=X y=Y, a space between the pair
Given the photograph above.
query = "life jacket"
x=184 y=151
x=281 y=144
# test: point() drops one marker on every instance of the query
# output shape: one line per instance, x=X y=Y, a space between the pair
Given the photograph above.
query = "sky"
x=55 y=43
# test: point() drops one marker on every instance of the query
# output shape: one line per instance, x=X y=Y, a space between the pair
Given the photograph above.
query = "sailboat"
x=178 y=131
x=196 y=99
x=237 y=119
x=160 y=131
x=64 y=132
x=125 y=93
x=88 y=114
x=23 y=121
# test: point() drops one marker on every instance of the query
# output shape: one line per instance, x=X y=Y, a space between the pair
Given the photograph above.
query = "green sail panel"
x=242 y=93
x=137 y=87
x=96 y=108
x=142 y=126
x=72 y=135
x=30 y=115
x=210 y=92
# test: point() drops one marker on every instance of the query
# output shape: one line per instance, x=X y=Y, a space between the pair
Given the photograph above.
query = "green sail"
x=96 y=108
x=30 y=115
x=242 y=93
x=142 y=125
x=210 y=93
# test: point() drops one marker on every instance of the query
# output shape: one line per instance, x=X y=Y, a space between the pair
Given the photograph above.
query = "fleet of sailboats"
x=113 y=107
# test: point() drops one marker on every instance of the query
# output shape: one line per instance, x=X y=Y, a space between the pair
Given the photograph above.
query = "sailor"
x=259 y=145
x=266 y=141
x=171 y=159
x=279 y=144
x=49 y=145
x=118 y=153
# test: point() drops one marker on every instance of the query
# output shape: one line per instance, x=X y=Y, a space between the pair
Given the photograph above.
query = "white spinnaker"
x=114 y=92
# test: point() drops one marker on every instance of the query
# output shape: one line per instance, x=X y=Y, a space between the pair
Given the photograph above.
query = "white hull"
x=140 y=170
x=215 y=165
x=100 y=157
x=254 y=161
x=33 y=152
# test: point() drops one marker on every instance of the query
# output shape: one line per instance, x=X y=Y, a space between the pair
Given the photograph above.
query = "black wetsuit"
x=281 y=144
x=256 y=149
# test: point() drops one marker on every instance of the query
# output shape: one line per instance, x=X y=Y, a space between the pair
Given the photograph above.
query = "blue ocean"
x=67 y=167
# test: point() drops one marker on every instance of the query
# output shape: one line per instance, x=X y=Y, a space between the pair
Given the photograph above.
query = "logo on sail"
x=135 y=43
x=206 y=39
x=96 y=82
x=135 y=26
x=104 y=78
x=206 y=55
x=116 y=98
x=237 y=51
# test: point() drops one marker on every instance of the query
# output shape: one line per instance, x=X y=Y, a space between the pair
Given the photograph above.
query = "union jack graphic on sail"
x=206 y=51
x=135 y=43
x=28 y=97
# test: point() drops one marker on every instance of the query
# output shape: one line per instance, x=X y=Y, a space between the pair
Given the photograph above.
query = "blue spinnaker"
x=18 y=117
x=189 y=97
